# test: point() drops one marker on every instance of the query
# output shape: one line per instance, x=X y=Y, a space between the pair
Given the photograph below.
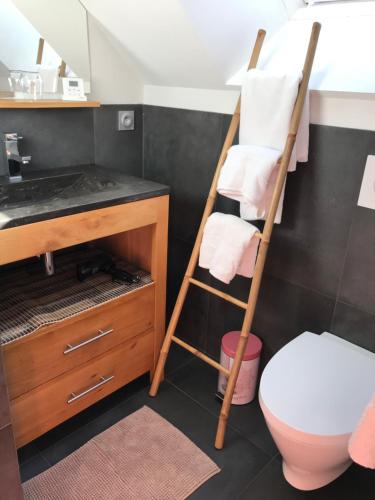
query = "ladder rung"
x=223 y=295
x=202 y=356
x=262 y=237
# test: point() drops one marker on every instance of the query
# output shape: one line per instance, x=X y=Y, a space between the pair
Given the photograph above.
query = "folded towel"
x=362 y=441
x=250 y=211
x=267 y=102
x=301 y=149
x=245 y=174
x=228 y=247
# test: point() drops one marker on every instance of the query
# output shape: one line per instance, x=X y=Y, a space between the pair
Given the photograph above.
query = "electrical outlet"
x=125 y=120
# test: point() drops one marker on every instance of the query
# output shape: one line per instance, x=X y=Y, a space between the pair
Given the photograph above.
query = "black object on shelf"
x=105 y=264
x=101 y=263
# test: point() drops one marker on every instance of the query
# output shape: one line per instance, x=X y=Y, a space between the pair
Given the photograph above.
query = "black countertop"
x=44 y=195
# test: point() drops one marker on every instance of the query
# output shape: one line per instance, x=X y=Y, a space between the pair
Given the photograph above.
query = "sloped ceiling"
x=189 y=43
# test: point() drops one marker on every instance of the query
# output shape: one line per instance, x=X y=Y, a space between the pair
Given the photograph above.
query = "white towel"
x=246 y=172
x=267 y=102
x=249 y=211
x=228 y=247
x=300 y=151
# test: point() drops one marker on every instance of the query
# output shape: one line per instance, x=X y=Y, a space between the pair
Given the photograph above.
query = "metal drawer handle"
x=74 y=396
x=70 y=348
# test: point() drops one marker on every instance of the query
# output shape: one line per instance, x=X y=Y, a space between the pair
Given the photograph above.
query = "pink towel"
x=228 y=247
x=362 y=441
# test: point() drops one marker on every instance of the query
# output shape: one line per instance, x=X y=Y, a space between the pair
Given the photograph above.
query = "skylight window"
x=343 y=61
x=313 y=2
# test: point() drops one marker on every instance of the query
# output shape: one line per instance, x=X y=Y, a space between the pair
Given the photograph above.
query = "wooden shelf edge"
x=46 y=103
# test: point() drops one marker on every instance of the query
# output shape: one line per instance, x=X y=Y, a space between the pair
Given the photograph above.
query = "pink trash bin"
x=247 y=379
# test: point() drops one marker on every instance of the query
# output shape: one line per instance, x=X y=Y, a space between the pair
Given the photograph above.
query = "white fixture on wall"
x=73 y=89
x=367 y=194
x=125 y=120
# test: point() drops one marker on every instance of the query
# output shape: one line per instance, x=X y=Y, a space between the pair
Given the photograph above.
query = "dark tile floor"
x=250 y=465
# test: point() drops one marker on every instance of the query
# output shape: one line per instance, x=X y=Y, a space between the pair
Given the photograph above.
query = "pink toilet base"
x=306 y=480
x=309 y=461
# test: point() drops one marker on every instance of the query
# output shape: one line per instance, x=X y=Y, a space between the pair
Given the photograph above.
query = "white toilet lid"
x=319 y=384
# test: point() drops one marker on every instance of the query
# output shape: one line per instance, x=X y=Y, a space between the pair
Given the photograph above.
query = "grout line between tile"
x=341 y=276
x=299 y=285
x=354 y=306
x=234 y=429
x=262 y=470
x=50 y=464
x=182 y=365
x=38 y=456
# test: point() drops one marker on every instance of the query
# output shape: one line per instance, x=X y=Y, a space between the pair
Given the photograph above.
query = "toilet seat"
x=319 y=384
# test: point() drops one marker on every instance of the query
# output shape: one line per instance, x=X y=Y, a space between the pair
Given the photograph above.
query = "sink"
x=61 y=191
x=35 y=190
x=44 y=187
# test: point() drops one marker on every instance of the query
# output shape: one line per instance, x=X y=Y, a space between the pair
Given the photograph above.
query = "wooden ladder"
x=249 y=306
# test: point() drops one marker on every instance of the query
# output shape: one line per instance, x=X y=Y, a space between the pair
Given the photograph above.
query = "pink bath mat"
x=142 y=457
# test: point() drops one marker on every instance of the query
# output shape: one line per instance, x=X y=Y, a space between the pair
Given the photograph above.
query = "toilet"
x=312 y=394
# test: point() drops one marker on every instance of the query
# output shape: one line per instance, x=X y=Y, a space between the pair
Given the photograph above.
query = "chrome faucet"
x=11 y=161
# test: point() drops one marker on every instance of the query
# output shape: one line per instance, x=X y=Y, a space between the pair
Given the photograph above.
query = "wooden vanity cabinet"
x=10 y=481
x=63 y=368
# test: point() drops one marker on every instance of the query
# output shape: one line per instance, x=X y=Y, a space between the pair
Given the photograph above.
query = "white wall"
x=114 y=78
x=227 y=29
x=159 y=37
x=343 y=109
x=216 y=101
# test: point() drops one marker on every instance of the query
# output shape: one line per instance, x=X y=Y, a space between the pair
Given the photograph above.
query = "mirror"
x=41 y=41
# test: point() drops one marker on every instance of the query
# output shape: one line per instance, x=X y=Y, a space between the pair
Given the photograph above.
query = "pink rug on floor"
x=142 y=457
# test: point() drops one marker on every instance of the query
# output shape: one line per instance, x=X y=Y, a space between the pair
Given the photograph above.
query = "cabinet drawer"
x=50 y=404
x=55 y=349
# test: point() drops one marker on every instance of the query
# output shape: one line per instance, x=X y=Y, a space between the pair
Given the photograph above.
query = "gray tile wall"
x=53 y=137
x=121 y=150
x=320 y=273
x=76 y=136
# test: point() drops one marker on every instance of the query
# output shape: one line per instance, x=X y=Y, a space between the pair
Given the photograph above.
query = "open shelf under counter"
x=45 y=103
